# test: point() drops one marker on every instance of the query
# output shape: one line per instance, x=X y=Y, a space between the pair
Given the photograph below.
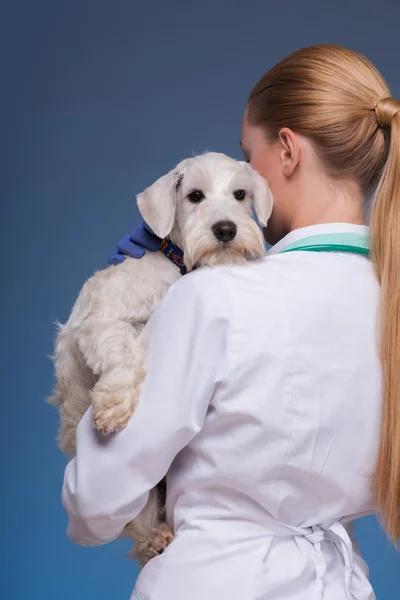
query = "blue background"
x=97 y=100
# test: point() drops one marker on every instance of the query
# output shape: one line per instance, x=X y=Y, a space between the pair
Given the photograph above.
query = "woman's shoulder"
x=224 y=287
x=224 y=279
x=295 y=282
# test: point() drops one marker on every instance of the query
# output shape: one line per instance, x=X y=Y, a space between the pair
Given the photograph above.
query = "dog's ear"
x=157 y=204
x=263 y=201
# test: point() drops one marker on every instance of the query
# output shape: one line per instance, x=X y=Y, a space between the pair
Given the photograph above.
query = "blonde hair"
x=339 y=100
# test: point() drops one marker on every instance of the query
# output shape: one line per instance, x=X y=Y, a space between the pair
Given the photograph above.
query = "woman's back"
x=290 y=440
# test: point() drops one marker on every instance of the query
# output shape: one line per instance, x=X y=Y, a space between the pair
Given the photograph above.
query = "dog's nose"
x=224 y=231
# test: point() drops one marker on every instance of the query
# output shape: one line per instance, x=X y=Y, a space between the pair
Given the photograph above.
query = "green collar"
x=354 y=243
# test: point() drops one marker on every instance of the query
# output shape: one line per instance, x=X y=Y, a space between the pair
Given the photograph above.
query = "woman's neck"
x=328 y=202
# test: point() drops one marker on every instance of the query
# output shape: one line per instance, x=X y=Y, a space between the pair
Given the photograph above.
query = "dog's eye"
x=239 y=194
x=196 y=196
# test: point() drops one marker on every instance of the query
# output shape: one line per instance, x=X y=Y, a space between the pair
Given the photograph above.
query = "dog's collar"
x=174 y=254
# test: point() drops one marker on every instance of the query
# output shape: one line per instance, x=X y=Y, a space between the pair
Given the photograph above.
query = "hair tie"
x=385 y=111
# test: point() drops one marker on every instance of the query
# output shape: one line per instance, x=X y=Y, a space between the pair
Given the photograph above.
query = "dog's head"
x=206 y=206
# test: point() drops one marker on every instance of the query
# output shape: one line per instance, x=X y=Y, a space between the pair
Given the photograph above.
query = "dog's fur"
x=100 y=350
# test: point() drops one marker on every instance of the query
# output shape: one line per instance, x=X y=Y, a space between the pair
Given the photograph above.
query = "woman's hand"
x=135 y=244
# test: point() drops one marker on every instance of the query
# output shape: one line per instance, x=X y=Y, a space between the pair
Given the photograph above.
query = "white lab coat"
x=263 y=404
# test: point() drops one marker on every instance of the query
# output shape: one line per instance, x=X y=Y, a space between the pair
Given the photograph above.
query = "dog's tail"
x=74 y=380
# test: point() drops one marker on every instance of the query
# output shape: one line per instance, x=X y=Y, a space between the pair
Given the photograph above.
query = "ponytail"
x=385 y=252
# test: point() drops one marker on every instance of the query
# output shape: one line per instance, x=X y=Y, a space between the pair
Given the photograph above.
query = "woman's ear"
x=290 y=151
x=157 y=204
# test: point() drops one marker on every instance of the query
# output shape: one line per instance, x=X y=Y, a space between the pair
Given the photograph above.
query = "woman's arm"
x=108 y=482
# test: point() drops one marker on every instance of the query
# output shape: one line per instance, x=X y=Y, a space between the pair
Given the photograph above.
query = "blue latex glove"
x=134 y=245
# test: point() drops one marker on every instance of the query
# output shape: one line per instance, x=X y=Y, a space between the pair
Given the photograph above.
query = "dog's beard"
x=201 y=248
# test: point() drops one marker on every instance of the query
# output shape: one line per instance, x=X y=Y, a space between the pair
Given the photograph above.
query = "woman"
x=270 y=413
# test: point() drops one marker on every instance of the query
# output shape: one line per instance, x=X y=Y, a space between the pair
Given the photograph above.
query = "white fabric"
x=263 y=404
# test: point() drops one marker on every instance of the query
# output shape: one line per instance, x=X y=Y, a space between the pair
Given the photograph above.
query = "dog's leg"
x=114 y=351
x=149 y=533
x=72 y=389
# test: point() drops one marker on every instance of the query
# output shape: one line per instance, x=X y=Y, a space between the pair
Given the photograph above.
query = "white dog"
x=205 y=207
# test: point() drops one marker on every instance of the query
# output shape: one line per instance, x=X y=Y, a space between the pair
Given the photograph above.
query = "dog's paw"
x=157 y=543
x=112 y=409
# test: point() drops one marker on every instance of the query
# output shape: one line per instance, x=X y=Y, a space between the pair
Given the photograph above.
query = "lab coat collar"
x=305 y=232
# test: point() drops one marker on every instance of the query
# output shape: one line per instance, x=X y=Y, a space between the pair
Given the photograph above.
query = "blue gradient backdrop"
x=97 y=100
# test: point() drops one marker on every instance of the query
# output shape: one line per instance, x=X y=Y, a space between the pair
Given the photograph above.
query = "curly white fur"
x=100 y=351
